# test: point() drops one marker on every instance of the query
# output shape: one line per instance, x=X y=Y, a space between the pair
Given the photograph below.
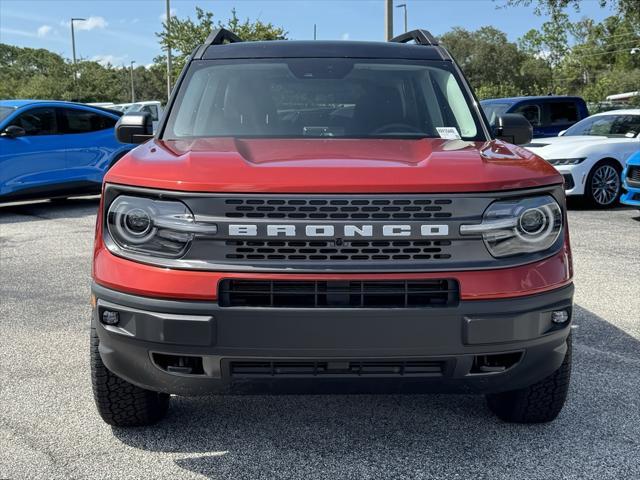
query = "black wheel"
x=604 y=186
x=119 y=402
x=537 y=403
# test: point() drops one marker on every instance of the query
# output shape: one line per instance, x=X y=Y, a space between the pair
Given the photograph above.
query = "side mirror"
x=513 y=128
x=13 y=131
x=134 y=128
x=561 y=133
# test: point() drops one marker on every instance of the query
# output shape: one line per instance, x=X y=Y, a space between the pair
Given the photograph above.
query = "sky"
x=122 y=31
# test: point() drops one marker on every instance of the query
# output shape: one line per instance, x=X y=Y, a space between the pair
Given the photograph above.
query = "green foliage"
x=583 y=58
x=496 y=67
x=185 y=35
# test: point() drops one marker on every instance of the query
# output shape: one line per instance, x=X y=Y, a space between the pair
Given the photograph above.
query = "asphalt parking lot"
x=49 y=427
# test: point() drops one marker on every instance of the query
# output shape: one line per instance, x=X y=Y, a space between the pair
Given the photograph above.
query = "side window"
x=628 y=125
x=38 y=121
x=84 y=121
x=563 y=113
x=532 y=113
x=153 y=110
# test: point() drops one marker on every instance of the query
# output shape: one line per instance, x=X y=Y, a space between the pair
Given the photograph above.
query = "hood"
x=331 y=166
x=560 y=147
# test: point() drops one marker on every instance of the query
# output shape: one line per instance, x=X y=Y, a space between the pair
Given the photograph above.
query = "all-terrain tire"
x=119 y=402
x=537 y=403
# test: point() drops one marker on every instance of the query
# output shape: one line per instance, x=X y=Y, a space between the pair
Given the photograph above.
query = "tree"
x=494 y=65
x=186 y=35
x=626 y=8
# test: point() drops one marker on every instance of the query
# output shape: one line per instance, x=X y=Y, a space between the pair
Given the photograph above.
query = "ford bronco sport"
x=332 y=216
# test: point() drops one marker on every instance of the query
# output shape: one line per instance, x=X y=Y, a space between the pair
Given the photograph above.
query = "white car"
x=153 y=107
x=592 y=153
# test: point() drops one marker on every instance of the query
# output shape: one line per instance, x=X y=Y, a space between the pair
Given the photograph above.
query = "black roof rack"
x=421 y=37
x=220 y=35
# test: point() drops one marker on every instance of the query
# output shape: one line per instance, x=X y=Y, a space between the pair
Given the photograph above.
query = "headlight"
x=153 y=227
x=566 y=161
x=512 y=227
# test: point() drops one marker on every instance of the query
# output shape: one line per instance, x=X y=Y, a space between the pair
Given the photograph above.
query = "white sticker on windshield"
x=448 y=133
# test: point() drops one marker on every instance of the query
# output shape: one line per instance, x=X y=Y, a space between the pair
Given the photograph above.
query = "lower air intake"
x=338 y=294
x=337 y=368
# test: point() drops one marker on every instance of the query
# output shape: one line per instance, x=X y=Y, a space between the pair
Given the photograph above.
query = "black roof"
x=320 y=49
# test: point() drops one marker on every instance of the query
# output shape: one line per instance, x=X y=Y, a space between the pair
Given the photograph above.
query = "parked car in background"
x=548 y=115
x=153 y=108
x=592 y=154
x=55 y=149
x=631 y=181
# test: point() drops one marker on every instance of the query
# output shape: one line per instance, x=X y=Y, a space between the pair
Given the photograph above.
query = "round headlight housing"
x=519 y=226
x=150 y=226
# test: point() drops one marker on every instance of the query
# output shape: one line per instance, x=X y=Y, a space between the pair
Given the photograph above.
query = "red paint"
x=127 y=276
x=329 y=166
x=332 y=166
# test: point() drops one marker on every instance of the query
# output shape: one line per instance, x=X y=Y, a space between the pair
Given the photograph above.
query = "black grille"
x=339 y=209
x=633 y=176
x=325 y=250
x=338 y=294
x=336 y=368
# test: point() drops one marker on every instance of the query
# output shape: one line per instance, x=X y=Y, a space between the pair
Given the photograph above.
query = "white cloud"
x=105 y=60
x=44 y=30
x=163 y=15
x=89 y=23
x=345 y=36
x=30 y=34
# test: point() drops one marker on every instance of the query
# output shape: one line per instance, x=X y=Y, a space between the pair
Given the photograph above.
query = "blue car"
x=631 y=181
x=548 y=115
x=55 y=149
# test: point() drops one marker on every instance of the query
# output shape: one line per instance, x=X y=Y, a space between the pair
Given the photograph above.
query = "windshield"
x=493 y=110
x=607 y=125
x=5 y=112
x=322 y=97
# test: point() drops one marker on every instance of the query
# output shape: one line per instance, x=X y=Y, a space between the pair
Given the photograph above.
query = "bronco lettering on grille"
x=346 y=231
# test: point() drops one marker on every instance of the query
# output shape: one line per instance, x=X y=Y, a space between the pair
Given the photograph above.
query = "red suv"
x=329 y=216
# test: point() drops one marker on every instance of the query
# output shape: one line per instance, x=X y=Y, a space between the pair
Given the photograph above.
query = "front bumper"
x=575 y=178
x=477 y=346
x=632 y=194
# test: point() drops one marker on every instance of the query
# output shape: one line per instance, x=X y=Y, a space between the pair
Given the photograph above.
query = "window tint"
x=562 y=113
x=494 y=110
x=531 y=113
x=321 y=98
x=5 y=112
x=83 y=121
x=38 y=121
x=607 y=125
x=151 y=109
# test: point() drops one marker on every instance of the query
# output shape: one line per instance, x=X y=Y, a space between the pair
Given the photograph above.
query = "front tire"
x=119 y=402
x=537 y=403
x=604 y=185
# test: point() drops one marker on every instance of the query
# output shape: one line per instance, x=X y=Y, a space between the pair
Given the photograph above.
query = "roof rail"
x=421 y=37
x=220 y=35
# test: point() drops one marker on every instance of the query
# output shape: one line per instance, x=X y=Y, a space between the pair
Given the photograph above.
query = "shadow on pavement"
x=409 y=436
x=47 y=210
x=578 y=203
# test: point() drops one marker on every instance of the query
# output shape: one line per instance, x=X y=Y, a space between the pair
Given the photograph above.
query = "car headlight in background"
x=513 y=227
x=148 y=226
x=566 y=161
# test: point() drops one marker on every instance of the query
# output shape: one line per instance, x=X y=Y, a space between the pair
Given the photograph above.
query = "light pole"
x=404 y=6
x=168 y=49
x=388 y=19
x=73 y=49
x=133 y=93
